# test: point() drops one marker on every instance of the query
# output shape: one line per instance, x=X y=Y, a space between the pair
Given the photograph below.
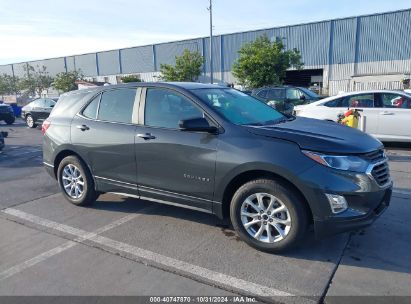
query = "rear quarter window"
x=70 y=104
x=333 y=103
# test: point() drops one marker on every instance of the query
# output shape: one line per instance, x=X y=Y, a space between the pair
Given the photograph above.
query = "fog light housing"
x=338 y=203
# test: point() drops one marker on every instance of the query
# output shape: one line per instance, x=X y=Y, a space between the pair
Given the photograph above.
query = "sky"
x=39 y=29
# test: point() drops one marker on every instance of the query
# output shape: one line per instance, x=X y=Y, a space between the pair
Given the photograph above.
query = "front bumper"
x=366 y=200
x=6 y=115
x=353 y=219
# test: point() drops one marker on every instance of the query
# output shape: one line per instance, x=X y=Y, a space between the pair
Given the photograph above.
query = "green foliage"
x=263 y=63
x=187 y=67
x=130 y=78
x=35 y=81
x=66 y=81
x=8 y=85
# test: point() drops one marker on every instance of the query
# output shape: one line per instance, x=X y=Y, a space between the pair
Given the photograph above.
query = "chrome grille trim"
x=380 y=173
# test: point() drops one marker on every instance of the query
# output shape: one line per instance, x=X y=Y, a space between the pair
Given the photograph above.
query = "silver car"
x=386 y=114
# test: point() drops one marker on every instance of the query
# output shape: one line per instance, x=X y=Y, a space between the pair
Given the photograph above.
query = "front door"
x=103 y=133
x=174 y=165
x=395 y=116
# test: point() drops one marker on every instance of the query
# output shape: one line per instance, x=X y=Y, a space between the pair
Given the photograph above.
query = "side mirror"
x=302 y=97
x=52 y=106
x=197 y=125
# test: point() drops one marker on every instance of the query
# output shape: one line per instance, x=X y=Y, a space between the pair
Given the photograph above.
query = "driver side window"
x=165 y=108
x=293 y=94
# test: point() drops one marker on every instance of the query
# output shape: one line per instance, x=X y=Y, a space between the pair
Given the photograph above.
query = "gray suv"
x=220 y=151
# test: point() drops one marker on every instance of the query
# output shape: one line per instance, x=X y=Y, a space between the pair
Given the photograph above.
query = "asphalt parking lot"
x=123 y=246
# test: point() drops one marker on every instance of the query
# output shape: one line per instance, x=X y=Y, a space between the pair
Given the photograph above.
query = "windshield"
x=239 y=108
x=309 y=93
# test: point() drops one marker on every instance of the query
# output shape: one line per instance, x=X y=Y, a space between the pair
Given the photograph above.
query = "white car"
x=386 y=114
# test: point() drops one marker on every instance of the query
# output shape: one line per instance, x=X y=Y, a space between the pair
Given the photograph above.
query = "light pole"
x=211 y=42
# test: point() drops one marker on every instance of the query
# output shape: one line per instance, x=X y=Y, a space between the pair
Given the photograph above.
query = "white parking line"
x=52 y=252
x=155 y=259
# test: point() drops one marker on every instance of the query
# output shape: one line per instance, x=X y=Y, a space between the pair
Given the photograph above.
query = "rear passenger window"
x=117 y=105
x=38 y=103
x=91 y=110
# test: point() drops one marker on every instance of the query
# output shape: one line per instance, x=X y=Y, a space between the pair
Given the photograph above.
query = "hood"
x=321 y=136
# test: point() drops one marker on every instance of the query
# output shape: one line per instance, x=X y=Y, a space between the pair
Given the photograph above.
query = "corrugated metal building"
x=356 y=53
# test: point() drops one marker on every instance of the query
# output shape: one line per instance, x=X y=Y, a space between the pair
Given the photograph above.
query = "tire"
x=10 y=121
x=74 y=167
x=291 y=220
x=30 y=121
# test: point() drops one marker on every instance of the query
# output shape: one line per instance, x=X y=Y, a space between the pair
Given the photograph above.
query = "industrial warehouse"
x=348 y=54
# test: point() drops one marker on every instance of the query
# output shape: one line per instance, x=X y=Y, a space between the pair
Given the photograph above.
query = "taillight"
x=46 y=124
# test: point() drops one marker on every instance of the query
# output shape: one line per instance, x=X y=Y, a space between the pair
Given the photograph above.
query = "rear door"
x=45 y=111
x=174 y=165
x=103 y=134
x=367 y=103
x=37 y=108
x=395 y=116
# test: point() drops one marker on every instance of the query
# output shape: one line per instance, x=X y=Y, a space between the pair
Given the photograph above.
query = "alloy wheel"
x=30 y=121
x=73 y=181
x=265 y=218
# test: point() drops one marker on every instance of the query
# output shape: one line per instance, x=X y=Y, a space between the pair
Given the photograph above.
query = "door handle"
x=83 y=127
x=387 y=113
x=146 y=136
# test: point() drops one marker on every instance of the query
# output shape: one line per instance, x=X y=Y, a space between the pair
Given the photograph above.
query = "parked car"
x=7 y=114
x=284 y=98
x=37 y=111
x=387 y=113
x=220 y=151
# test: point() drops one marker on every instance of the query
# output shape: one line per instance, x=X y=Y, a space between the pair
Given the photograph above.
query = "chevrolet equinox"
x=217 y=150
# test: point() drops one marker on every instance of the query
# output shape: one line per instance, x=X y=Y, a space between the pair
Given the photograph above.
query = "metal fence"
x=344 y=46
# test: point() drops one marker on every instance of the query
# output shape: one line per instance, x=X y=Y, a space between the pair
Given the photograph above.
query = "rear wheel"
x=30 y=121
x=268 y=215
x=76 y=182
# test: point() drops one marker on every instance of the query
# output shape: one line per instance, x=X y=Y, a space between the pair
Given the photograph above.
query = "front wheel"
x=268 y=216
x=30 y=121
x=76 y=182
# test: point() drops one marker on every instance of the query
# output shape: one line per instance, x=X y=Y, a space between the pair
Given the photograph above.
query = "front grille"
x=375 y=156
x=381 y=173
x=380 y=170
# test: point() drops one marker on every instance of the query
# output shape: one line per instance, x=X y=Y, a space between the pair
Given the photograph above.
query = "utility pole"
x=211 y=42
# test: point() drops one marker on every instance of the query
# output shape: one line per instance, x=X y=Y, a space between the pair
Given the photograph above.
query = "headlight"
x=346 y=163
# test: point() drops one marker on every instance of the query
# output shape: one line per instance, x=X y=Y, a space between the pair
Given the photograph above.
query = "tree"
x=35 y=81
x=66 y=81
x=187 y=67
x=263 y=63
x=8 y=85
x=130 y=78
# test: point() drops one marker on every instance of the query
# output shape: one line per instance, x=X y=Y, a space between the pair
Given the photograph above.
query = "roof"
x=181 y=85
